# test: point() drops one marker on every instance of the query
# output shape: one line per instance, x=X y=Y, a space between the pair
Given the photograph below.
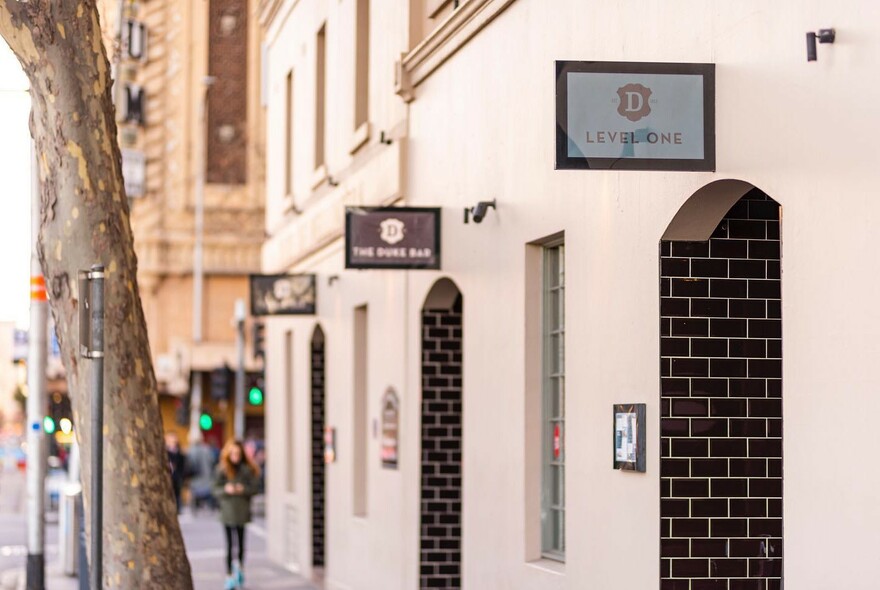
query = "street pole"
x=36 y=401
x=239 y=372
x=91 y=317
x=195 y=412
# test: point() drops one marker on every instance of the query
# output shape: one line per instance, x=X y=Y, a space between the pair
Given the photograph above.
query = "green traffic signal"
x=255 y=396
x=206 y=422
x=49 y=425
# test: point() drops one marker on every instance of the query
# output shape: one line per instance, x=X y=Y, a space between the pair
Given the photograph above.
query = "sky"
x=15 y=190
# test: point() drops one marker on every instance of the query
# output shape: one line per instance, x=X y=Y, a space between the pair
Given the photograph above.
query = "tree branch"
x=15 y=23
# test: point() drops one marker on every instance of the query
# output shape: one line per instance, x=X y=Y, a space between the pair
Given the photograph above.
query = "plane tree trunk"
x=85 y=221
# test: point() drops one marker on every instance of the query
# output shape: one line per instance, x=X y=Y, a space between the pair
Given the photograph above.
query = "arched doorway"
x=441 y=437
x=721 y=392
x=318 y=485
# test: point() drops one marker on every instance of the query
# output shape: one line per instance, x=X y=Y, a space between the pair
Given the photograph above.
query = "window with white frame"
x=553 y=403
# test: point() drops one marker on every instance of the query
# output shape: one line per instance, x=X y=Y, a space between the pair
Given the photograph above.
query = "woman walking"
x=235 y=483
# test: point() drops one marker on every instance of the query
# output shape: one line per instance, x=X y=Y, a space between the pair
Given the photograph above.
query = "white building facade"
x=748 y=336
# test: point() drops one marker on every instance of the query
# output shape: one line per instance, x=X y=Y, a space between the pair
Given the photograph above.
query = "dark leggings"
x=230 y=531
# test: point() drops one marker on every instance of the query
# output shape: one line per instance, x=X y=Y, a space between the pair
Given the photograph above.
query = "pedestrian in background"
x=200 y=468
x=176 y=464
x=236 y=481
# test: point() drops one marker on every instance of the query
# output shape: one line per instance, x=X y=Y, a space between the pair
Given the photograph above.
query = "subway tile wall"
x=441 y=448
x=721 y=403
x=318 y=479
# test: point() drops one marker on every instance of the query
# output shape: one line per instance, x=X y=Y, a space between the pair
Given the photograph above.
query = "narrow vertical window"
x=320 y=82
x=288 y=401
x=359 y=428
x=288 y=135
x=553 y=394
x=362 y=65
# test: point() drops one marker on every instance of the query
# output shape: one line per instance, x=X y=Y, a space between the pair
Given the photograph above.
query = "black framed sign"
x=392 y=237
x=635 y=116
x=282 y=294
x=629 y=437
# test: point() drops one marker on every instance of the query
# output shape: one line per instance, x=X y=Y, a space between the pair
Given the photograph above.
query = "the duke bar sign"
x=635 y=116
x=392 y=237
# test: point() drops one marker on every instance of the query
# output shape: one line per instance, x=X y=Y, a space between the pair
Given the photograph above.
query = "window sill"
x=319 y=176
x=360 y=138
x=444 y=41
x=548 y=565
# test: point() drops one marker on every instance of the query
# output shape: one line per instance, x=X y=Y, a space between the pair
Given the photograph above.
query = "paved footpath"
x=203 y=535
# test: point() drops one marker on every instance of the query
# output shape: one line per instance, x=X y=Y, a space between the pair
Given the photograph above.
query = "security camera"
x=478 y=212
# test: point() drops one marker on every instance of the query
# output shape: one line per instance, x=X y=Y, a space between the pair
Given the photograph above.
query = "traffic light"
x=49 y=425
x=221 y=380
x=255 y=393
x=206 y=422
x=259 y=340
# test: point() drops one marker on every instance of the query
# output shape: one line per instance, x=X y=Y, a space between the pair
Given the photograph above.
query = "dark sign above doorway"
x=635 y=116
x=392 y=237
x=282 y=294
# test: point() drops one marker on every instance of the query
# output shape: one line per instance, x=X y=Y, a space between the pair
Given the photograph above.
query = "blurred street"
x=203 y=536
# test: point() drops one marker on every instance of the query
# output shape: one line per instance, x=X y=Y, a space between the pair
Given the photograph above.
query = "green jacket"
x=235 y=509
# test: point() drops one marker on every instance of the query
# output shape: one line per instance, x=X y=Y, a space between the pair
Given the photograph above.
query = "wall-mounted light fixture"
x=332 y=181
x=824 y=36
x=384 y=139
x=332 y=279
x=478 y=211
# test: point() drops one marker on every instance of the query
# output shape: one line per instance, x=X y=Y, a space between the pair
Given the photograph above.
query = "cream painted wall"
x=482 y=127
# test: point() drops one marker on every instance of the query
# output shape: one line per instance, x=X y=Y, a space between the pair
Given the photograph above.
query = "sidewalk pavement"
x=203 y=535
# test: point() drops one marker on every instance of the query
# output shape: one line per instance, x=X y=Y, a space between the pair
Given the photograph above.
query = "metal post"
x=96 y=353
x=195 y=432
x=239 y=371
x=36 y=401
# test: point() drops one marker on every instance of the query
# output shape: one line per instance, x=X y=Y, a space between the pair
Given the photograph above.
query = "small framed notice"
x=629 y=437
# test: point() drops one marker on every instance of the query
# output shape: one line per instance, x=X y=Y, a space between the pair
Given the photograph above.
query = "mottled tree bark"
x=85 y=221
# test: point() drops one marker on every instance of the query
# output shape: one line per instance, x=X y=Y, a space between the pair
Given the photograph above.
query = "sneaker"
x=238 y=573
x=231 y=583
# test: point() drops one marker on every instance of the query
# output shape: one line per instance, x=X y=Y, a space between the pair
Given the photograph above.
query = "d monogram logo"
x=392 y=230
x=634 y=101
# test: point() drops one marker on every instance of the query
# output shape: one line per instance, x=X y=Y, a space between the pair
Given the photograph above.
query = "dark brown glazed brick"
x=687 y=287
x=675 y=346
x=675 y=267
x=765 y=447
x=674 y=427
x=729 y=568
x=690 y=249
x=728 y=288
x=726 y=328
x=690 y=447
x=674 y=548
x=708 y=268
x=727 y=408
x=749 y=348
x=708 y=387
x=746 y=584
x=672 y=507
x=748 y=467
x=748 y=427
x=748 y=508
x=690 y=367
x=774 y=467
x=690 y=488
x=690 y=327
x=765 y=408
x=665 y=288
x=770 y=487
x=709 y=347
x=765 y=368
x=748 y=387
x=729 y=527
x=764 y=249
x=764 y=289
x=690 y=568
x=746 y=548
x=765 y=527
x=690 y=527
x=709 y=308
x=665 y=248
x=709 y=427
x=729 y=488
x=709 y=508
x=674 y=307
x=709 y=547
x=728 y=447
x=740 y=228
x=665 y=326
x=672 y=387
x=759 y=568
x=727 y=367
x=747 y=308
x=685 y=407
x=709 y=467
x=729 y=249
x=708 y=584
x=765 y=328
x=774 y=349
x=747 y=269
